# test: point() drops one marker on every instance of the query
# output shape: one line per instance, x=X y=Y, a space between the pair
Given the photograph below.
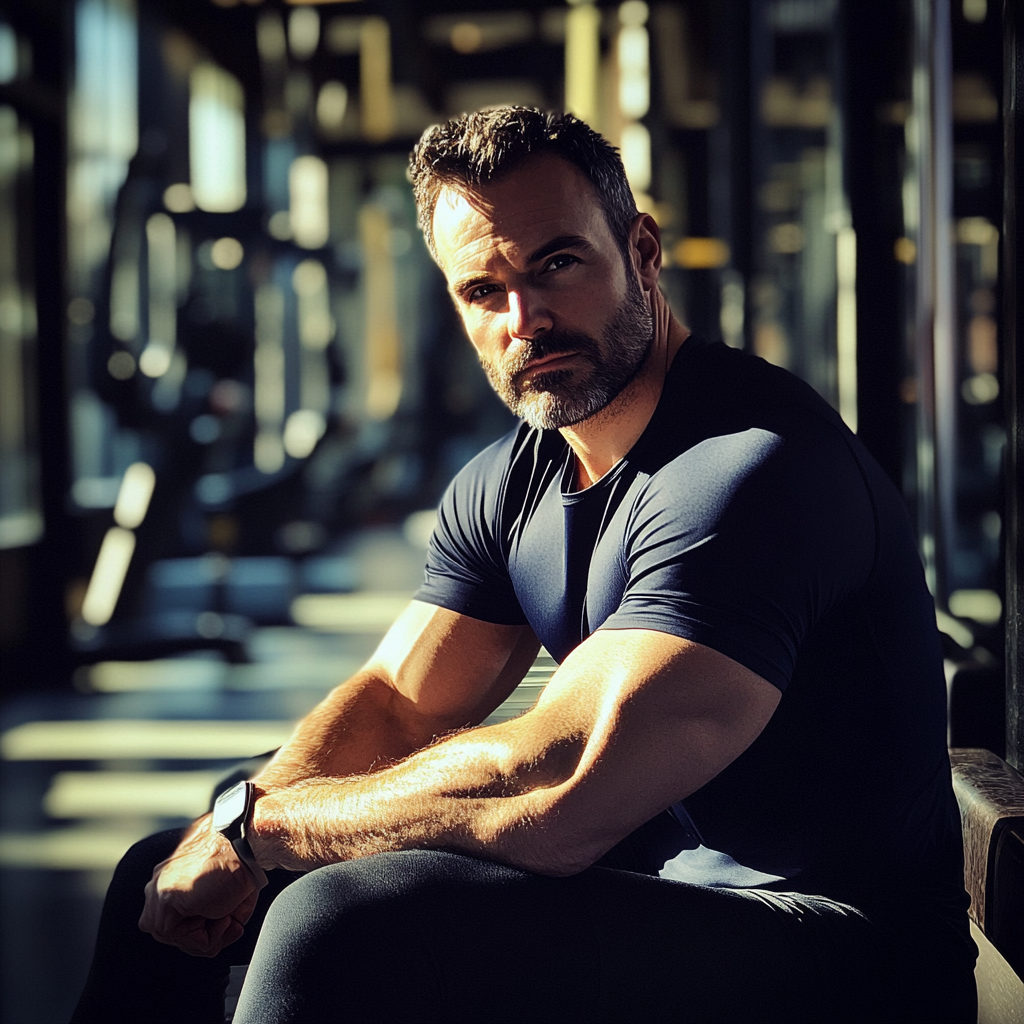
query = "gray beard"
x=565 y=397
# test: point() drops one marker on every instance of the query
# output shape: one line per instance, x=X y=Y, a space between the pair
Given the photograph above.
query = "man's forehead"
x=454 y=203
x=542 y=190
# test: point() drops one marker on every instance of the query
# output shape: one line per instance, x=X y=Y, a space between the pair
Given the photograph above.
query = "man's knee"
x=342 y=908
x=159 y=845
x=375 y=882
x=324 y=936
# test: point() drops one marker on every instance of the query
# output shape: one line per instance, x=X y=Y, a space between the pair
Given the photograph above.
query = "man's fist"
x=201 y=896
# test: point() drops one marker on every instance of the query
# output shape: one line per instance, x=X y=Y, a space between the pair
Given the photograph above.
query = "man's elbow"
x=562 y=866
x=546 y=844
x=561 y=859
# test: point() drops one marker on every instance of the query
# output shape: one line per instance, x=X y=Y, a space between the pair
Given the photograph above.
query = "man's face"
x=560 y=324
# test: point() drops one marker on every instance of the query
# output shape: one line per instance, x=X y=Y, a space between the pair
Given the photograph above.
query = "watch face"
x=230 y=806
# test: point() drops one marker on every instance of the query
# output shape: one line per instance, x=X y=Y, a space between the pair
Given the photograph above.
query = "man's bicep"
x=452 y=668
x=662 y=716
x=745 y=543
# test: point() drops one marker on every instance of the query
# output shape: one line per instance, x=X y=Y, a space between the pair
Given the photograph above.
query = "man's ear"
x=645 y=250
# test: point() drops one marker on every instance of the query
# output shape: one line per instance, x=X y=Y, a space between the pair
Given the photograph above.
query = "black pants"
x=432 y=936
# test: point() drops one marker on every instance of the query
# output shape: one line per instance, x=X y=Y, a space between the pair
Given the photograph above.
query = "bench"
x=991 y=797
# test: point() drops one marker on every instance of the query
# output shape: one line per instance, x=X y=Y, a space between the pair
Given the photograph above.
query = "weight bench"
x=991 y=797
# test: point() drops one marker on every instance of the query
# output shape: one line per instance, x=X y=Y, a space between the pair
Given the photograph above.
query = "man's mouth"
x=548 y=362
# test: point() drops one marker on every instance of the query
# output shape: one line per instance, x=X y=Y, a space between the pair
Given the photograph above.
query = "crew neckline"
x=567 y=475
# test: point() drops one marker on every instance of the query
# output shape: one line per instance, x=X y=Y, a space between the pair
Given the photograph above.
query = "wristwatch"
x=231 y=812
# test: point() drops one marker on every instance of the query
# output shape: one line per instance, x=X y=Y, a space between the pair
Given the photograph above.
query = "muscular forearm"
x=486 y=792
x=632 y=721
x=362 y=726
x=435 y=672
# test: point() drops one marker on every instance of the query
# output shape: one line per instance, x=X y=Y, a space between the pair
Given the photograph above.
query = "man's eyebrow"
x=561 y=242
x=468 y=284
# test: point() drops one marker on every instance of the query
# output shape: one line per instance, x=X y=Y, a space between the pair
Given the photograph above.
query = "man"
x=750 y=689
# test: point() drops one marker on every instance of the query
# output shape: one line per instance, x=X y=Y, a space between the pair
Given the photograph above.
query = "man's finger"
x=188 y=936
x=203 y=937
x=223 y=932
x=244 y=910
x=147 y=920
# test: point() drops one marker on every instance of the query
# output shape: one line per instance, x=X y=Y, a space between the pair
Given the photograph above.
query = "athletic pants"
x=425 y=936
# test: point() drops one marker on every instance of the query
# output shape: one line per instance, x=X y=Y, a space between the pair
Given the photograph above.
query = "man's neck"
x=601 y=441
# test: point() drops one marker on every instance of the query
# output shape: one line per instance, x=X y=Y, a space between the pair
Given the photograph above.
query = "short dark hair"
x=475 y=149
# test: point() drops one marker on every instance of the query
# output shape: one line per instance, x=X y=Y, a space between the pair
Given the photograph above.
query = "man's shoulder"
x=733 y=381
x=740 y=437
x=724 y=411
x=487 y=465
x=524 y=454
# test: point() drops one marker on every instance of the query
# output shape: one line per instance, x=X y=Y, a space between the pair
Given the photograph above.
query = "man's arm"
x=633 y=721
x=435 y=671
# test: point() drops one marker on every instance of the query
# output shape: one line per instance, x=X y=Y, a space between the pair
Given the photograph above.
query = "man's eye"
x=481 y=291
x=561 y=260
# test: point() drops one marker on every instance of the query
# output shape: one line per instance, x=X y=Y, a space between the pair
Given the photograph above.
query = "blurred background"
x=233 y=388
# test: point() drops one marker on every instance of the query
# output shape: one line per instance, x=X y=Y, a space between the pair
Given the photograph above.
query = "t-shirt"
x=749 y=519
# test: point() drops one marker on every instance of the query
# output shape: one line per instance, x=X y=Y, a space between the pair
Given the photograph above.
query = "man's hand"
x=201 y=896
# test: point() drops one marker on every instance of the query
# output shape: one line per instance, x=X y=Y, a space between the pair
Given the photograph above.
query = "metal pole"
x=932 y=144
x=1013 y=379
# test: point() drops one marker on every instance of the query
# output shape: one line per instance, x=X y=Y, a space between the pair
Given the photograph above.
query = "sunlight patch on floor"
x=105 y=794
x=84 y=848
x=101 y=739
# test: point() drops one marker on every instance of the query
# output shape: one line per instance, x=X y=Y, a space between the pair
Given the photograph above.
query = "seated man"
x=731 y=803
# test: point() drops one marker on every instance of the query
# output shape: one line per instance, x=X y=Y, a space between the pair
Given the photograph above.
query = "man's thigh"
x=431 y=936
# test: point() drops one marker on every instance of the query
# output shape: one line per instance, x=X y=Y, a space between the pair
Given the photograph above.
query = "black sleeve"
x=467 y=567
x=745 y=541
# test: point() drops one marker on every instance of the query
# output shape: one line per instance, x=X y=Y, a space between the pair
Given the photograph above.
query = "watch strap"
x=247 y=857
x=236 y=830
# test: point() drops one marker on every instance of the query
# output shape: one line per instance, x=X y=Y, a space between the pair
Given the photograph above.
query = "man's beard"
x=564 y=397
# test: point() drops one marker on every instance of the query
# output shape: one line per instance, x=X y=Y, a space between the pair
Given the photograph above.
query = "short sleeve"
x=467 y=566
x=745 y=542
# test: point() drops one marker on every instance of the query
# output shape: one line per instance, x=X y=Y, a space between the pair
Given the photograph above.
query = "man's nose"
x=528 y=315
